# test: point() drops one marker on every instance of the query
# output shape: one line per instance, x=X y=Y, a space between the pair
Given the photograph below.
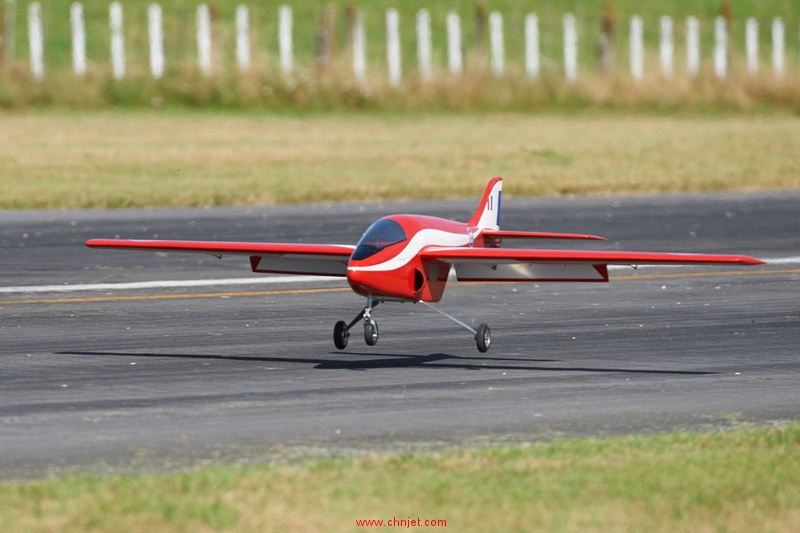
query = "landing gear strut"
x=483 y=336
x=341 y=331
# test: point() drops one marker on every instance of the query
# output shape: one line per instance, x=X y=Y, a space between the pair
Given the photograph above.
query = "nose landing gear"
x=341 y=331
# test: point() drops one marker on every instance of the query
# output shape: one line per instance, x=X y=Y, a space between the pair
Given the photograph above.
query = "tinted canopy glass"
x=380 y=235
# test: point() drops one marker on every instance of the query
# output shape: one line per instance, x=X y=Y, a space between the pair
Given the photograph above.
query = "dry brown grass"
x=93 y=160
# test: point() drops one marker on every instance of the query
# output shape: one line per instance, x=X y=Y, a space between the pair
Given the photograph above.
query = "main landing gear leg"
x=341 y=331
x=483 y=336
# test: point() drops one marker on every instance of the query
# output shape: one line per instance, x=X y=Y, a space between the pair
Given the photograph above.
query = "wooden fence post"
x=155 y=31
x=36 y=39
x=570 y=48
x=455 y=61
x=393 y=46
x=637 y=48
x=532 y=46
x=117 y=41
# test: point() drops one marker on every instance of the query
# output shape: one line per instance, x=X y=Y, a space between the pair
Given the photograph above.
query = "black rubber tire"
x=483 y=338
x=340 y=335
x=370 y=332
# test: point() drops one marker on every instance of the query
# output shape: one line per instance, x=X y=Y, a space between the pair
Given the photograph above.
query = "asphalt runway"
x=116 y=377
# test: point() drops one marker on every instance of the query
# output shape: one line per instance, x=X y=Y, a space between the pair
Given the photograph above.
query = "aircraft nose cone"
x=356 y=279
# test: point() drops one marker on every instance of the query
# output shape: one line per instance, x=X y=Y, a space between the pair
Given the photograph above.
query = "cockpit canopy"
x=380 y=235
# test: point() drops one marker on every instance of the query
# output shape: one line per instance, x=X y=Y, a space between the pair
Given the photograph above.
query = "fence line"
x=455 y=53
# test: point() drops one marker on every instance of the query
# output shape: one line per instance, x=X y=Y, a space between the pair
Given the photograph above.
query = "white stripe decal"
x=166 y=284
x=423 y=238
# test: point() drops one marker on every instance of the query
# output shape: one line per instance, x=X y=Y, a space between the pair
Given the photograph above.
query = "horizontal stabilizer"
x=492 y=238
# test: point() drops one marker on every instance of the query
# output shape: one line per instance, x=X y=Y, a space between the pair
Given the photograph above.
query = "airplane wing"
x=504 y=264
x=279 y=258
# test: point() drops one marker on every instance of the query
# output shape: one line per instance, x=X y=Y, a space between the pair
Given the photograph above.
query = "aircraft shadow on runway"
x=389 y=360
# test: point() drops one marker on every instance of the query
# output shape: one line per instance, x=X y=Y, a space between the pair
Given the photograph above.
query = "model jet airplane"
x=408 y=258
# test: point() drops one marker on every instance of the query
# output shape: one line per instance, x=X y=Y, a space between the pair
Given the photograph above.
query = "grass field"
x=738 y=481
x=98 y=160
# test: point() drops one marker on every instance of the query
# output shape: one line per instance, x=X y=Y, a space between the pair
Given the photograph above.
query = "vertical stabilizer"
x=488 y=214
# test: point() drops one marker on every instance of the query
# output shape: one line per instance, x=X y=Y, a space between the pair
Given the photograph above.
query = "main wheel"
x=483 y=338
x=370 y=332
x=340 y=335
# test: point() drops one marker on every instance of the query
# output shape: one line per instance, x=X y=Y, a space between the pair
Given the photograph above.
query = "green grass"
x=737 y=481
x=264 y=88
x=97 y=160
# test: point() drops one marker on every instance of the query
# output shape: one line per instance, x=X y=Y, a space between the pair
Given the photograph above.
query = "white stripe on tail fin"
x=488 y=214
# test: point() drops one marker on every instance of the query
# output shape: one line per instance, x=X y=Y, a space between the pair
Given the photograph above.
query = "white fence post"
x=455 y=61
x=36 y=38
x=720 y=47
x=751 y=45
x=570 y=48
x=692 y=46
x=777 y=46
x=242 y=38
x=78 y=30
x=393 y=46
x=204 y=39
x=496 y=41
x=424 y=43
x=359 y=48
x=532 y=46
x=117 y=41
x=637 y=49
x=285 y=39
x=155 y=31
x=667 y=47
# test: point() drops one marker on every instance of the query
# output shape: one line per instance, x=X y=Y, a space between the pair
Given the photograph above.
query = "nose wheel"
x=371 y=332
